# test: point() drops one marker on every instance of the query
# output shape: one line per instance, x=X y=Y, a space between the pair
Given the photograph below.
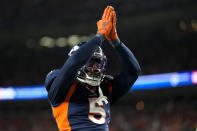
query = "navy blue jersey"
x=79 y=107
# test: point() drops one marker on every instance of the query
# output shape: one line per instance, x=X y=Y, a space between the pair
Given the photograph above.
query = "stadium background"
x=36 y=35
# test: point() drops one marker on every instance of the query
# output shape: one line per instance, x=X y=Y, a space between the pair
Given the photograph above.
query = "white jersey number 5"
x=97 y=109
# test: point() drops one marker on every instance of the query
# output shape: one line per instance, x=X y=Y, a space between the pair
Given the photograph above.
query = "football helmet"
x=92 y=73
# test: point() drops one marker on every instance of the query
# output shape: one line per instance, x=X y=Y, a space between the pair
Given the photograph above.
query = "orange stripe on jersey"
x=61 y=112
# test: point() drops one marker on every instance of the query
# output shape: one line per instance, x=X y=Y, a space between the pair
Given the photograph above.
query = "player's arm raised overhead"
x=65 y=76
x=58 y=82
x=130 y=66
x=130 y=72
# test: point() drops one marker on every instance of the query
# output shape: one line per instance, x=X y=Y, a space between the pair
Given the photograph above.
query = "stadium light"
x=146 y=82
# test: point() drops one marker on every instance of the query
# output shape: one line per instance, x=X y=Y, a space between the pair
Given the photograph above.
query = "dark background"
x=161 y=33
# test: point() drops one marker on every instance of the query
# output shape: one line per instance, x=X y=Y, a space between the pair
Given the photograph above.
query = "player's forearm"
x=66 y=77
x=84 y=53
x=128 y=60
x=80 y=57
x=122 y=83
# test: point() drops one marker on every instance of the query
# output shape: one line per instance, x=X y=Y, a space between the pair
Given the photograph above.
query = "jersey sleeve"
x=59 y=85
x=122 y=82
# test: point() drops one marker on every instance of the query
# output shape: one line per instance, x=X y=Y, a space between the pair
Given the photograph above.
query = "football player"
x=80 y=93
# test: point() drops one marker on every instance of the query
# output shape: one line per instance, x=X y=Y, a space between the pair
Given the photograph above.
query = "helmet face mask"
x=92 y=72
x=95 y=67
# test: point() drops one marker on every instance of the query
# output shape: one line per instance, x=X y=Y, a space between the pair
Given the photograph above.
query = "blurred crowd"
x=162 y=35
x=36 y=12
x=164 y=116
x=167 y=117
x=26 y=120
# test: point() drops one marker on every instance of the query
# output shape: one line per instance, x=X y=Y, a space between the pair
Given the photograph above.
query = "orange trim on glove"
x=113 y=34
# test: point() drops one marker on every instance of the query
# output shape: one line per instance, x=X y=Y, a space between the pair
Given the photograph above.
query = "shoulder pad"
x=50 y=77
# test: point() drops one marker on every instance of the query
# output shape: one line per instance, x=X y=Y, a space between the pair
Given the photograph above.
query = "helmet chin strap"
x=92 y=82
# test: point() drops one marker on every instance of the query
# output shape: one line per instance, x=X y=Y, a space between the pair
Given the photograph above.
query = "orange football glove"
x=105 y=25
x=113 y=34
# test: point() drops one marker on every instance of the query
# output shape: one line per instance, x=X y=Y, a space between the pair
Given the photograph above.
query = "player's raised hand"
x=105 y=24
x=113 y=34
